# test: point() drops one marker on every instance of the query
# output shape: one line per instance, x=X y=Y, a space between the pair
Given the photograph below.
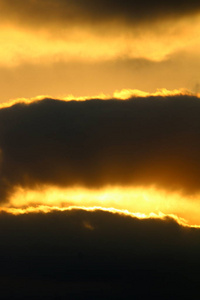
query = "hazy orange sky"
x=86 y=48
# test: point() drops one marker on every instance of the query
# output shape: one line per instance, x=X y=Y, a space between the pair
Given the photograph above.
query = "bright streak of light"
x=123 y=94
x=48 y=209
x=138 y=202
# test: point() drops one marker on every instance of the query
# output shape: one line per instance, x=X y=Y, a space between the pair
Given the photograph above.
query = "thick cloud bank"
x=96 y=255
x=78 y=11
x=141 y=141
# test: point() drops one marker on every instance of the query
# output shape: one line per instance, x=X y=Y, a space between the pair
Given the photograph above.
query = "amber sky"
x=86 y=48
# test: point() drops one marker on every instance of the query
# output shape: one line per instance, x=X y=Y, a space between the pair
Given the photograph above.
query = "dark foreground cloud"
x=77 y=11
x=55 y=255
x=141 y=141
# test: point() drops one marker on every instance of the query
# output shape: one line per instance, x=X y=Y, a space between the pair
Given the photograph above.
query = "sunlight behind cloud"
x=123 y=94
x=128 y=93
x=141 y=202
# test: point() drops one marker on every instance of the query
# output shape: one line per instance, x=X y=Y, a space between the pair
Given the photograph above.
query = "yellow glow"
x=121 y=95
x=81 y=43
x=47 y=209
x=127 y=93
x=140 y=202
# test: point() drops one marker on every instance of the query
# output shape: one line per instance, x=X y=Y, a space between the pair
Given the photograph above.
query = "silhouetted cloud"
x=57 y=255
x=140 y=141
x=79 y=11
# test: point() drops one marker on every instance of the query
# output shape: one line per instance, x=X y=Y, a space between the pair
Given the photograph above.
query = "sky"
x=99 y=148
x=89 y=48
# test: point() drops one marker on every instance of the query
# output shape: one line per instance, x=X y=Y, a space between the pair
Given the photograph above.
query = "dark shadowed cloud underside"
x=56 y=256
x=94 y=143
x=79 y=11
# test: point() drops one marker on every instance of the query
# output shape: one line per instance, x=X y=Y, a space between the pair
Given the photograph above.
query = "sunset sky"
x=99 y=122
x=87 y=48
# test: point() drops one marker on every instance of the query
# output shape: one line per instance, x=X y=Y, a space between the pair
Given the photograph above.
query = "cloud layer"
x=83 y=254
x=137 y=142
x=79 y=11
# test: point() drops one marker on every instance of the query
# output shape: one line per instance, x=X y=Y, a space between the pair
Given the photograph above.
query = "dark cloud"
x=54 y=254
x=140 y=141
x=77 y=11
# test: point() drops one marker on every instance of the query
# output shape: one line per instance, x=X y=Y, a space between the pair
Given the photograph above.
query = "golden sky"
x=99 y=149
x=85 y=49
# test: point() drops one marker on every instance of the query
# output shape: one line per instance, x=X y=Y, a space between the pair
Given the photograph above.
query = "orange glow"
x=47 y=209
x=140 y=202
x=127 y=93
x=20 y=45
x=120 y=95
